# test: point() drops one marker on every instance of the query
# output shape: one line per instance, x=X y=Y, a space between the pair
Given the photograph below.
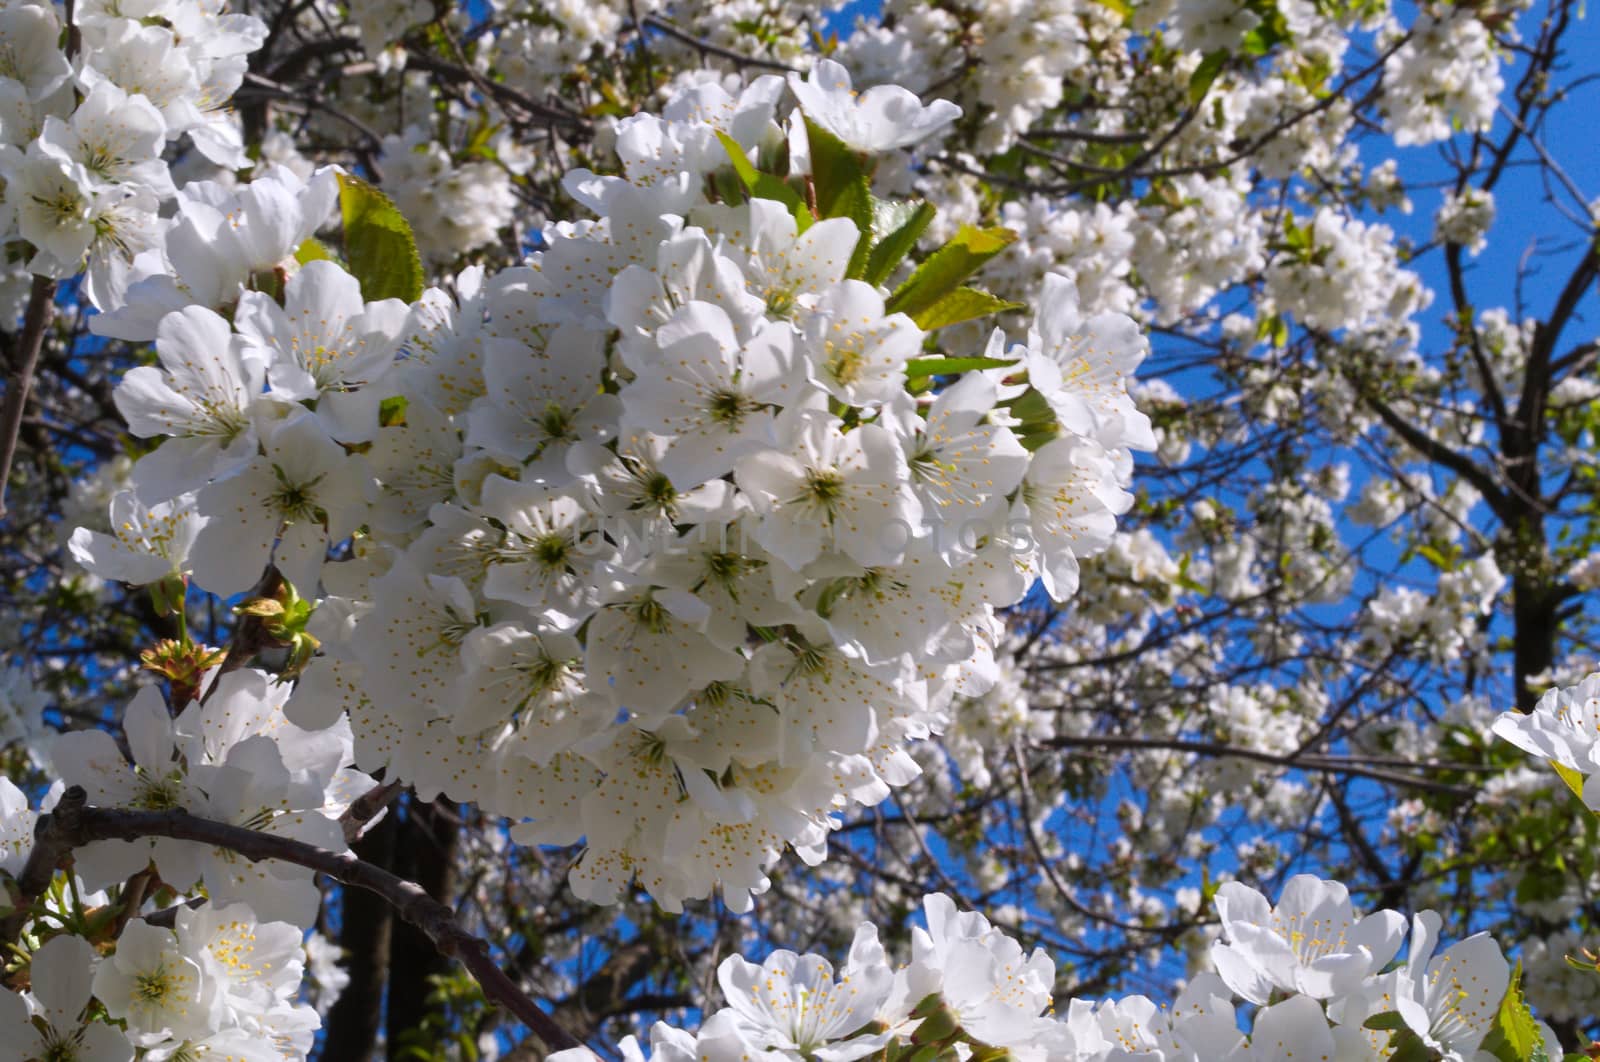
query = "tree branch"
x=367 y=807
x=706 y=48
x=502 y=93
x=41 y=301
x=1439 y=453
x=73 y=825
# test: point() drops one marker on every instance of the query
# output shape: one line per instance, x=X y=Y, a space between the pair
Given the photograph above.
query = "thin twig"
x=1046 y=864
x=311 y=101
x=705 y=47
x=41 y=303
x=503 y=93
x=644 y=46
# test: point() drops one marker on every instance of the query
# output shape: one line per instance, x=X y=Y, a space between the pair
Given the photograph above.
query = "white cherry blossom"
x=1311 y=942
x=880 y=119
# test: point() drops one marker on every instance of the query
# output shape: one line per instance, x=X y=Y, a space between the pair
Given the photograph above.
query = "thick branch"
x=41 y=301
x=1536 y=382
x=1439 y=453
x=353 y=1022
x=73 y=825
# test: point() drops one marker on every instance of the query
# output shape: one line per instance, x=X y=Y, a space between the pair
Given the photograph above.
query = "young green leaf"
x=1205 y=75
x=1573 y=779
x=947 y=267
x=763 y=185
x=962 y=304
x=311 y=251
x=843 y=185
x=895 y=243
x=1515 y=1035
x=378 y=242
x=950 y=366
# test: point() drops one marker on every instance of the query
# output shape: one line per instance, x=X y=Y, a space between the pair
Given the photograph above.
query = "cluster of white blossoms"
x=1443 y=624
x=1464 y=218
x=230 y=757
x=218 y=978
x=219 y=983
x=1340 y=273
x=83 y=135
x=1319 y=976
x=218 y=972
x=670 y=540
x=457 y=207
x=1444 y=76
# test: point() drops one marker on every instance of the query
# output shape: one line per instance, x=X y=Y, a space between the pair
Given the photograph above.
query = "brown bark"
x=352 y=1025
x=425 y=853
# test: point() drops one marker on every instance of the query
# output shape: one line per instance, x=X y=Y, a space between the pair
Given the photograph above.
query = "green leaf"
x=951 y=366
x=1273 y=29
x=896 y=242
x=840 y=177
x=843 y=185
x=1037 y=420
x=762 y=185
x=962 y=304
x=1205 y=75
x=1032 y=409
x=941 y=1025
x=1573 y=779
x=1407 y=1046
x=946 y=268
x=1034 y=441
x=392 y=411
x=1441 y=560
x=378 y=242
x=1515 y=1035
x=1404 y=1044
x=312 y=250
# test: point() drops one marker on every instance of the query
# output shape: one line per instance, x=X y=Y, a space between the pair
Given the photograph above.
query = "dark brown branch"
x=1085 y=137
x=293 y=64
x=502 y=93
x=706 y=48
x=1536 y=384
x=353 y=1022
x=19 y=381
x=311 y=100
x=1439 y=453
x=1465 y=323
x=1238 y=152
x=425 y=846
x=1578 y=360
x=72 y=825
x=365 y=808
